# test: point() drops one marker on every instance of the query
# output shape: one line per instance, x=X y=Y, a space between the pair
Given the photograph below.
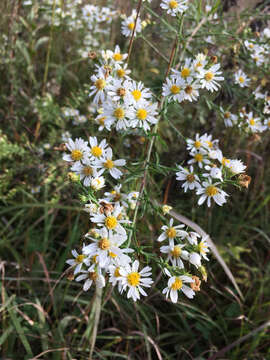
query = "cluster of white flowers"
x=125 y=103
x=75 y=115
x=90 y=160
x=183 y=250
x=259 y=49
x=211 y=170
x=195 y=74
x=107 y=252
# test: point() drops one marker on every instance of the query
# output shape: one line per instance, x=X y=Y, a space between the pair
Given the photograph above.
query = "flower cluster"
x=126 y=103
x=211 y=170
x=194 y=74
x=183 y=250
x=174 y=7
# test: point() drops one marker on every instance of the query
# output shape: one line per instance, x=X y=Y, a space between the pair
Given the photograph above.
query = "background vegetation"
x=43 y=314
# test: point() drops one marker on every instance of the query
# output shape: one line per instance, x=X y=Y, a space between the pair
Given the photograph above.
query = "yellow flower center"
x=177 y=284
x=173 y=4
x=104 y=244
x=76 y=155
x=131 y=25
x=100 y=84
x=79 y=259
x=209 y=143
x=209 y=76
x=190 y=178
x=225 y=161
x=175 y=89
x=241 y=79
x=198 y=157
x=185 y=72
x=171 y=232
x=109 y=164
x=136 y=94
x=268 y=124
x=94 y=259
x=202 y=247
x=197 y=144
x=116 y=272
x=133 y=278
x=211 y=190
x=119 y=113
x=87 y=170
x=141 y=114
x=252 y=122
x=251 y=46
x=102 y=120
x=227 y=115
x=96 y=151
x=111 y=222
x=176 y=252
x=121 y=73
x=117 y=57
x=112 y=255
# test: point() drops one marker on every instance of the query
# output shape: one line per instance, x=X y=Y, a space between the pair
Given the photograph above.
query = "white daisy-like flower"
x=191 y=90
x=211 y=191
x=91 y=276
x=199 y=157
x=86 y=170
x=203 y=247
x=174 y=89
x=192 y=238
x=191 y=180
x=99 y=87
x=199 y=62
x=97 y=183
x=142 y=114
x=187 y=70
x=111 y=165
x=195 y=259
x=121 y=71
x=101 y=121
x=174 y=7
x=208 y=143
x=111 y=220
x=177 y=283
x=214 y=172
x=78 y=261
x=195 y=145
x=119 y=90
x=229 y=118
x=236 y=167
x=210 y=78
x=115 y=277
x=138 y=93
x=97 y=151
x=258 y=58
x=175 y=254
x=116 y=196
x=117 y=113
x=135 y=280
x=172 y=232
x=106 y=246
x=241 y=79
x=128 y=25
x=249 y=45
x=254 y=124
x=267 y=123
x=117 y=57
x=215 y=154
x=78 y=150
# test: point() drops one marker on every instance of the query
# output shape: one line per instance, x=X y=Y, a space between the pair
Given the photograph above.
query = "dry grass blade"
x=97 y=316
x=49 y=351
x=151 y=342
x=214 y=249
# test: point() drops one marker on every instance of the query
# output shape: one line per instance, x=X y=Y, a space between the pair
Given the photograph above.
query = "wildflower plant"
x=126 y=107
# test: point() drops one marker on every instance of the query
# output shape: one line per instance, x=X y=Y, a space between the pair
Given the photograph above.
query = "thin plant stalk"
x=49 y=49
